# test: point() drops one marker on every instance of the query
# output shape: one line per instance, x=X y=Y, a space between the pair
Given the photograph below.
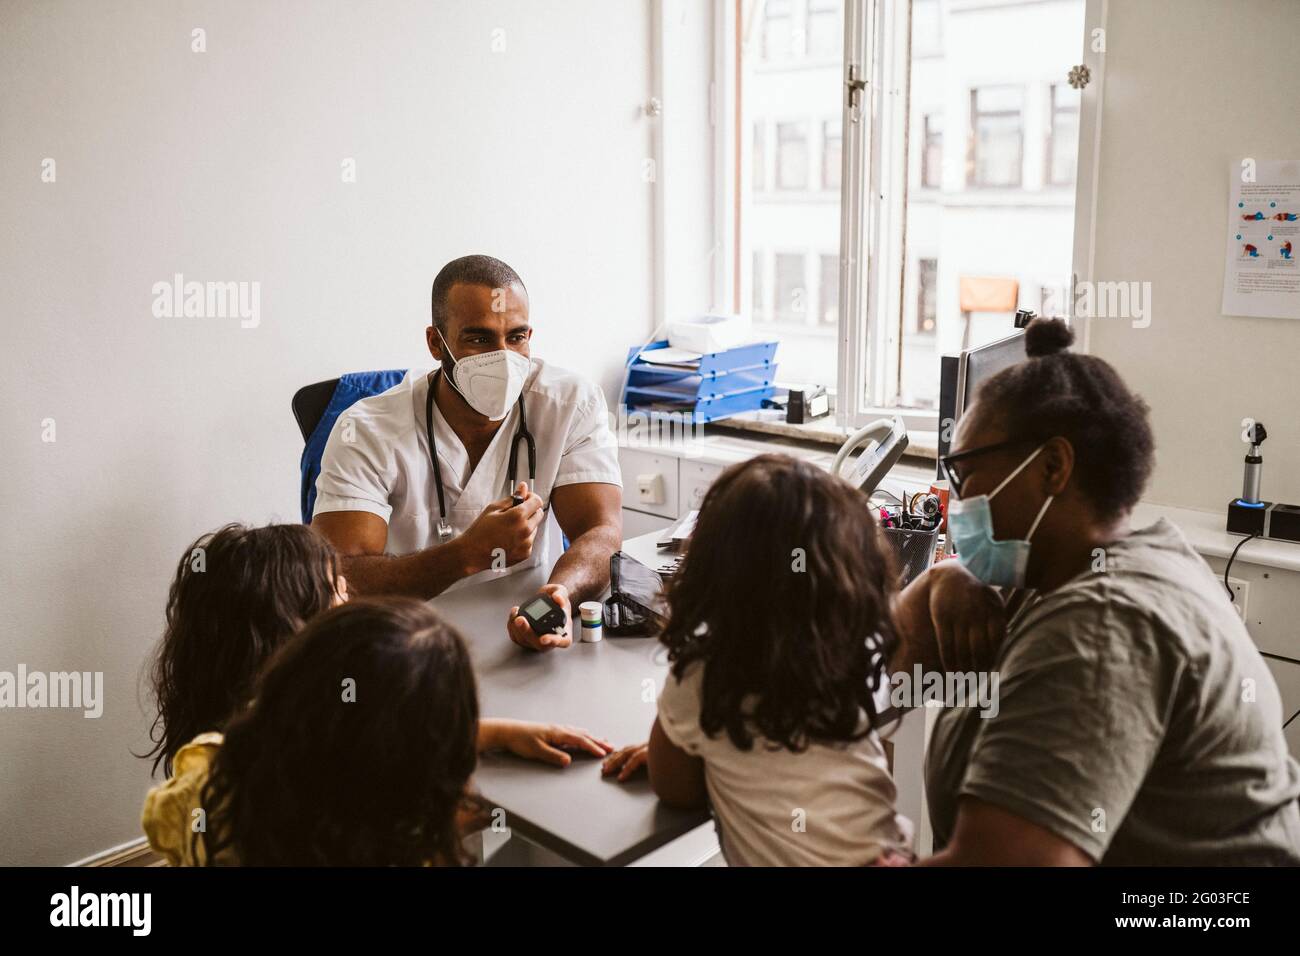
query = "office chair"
x=316 y=407
x=309 y=404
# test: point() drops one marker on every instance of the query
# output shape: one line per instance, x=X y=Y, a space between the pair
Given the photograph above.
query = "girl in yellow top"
x=356 y=751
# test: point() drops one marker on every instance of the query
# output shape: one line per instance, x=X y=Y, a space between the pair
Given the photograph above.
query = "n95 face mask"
x=491 y=382
x=970 y=524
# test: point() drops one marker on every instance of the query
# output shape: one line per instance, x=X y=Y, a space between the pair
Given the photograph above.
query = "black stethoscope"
x=445 y=530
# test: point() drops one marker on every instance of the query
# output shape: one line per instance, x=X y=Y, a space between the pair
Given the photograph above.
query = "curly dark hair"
x=1082 y=399
x=308 y=777
x=239 y=593
x=784 y=596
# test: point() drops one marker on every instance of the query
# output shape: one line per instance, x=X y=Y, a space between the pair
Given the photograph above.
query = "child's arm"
x=676 y=777
x=545 y=742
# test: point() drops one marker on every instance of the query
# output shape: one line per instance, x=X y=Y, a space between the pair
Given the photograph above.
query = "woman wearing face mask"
x=1136 y=722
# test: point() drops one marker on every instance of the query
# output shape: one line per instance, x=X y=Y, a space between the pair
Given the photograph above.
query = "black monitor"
x=976 y=366
x=961 y=376
x=947 y=405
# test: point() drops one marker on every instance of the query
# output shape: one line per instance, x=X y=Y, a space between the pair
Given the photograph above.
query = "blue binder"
x=723 y=383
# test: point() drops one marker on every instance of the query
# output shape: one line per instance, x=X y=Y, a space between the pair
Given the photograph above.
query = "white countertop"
x=1205 y=533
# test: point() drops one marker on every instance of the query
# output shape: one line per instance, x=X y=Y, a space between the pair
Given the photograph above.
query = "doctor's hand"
x=503 y=533
x=522 y=634
x=968 y=616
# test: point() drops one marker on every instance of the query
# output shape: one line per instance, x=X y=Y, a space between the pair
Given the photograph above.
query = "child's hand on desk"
x=626 y=762
x=547 y=743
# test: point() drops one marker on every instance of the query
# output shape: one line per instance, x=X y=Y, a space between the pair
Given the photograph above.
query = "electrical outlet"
x=1241 y=595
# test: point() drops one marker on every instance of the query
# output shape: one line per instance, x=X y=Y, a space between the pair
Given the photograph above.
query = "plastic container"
x=589 y=619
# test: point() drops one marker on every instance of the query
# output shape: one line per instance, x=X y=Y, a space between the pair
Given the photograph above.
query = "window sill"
x=922 y=445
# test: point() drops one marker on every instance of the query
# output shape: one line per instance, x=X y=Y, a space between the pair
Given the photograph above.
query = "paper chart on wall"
x=1261 y=274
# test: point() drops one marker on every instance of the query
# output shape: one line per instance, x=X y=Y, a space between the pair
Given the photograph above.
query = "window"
x=932 y=151
x=831 y=155
x=790 y=305
x=761 y=310
x=825 y=29
x=778 y=29
x=996 y=136
x=791 y=156
x=927 y=28
x=918 y=237
x=1062 y=136
x=927 y=288
x=828 y=290
x=791 y=216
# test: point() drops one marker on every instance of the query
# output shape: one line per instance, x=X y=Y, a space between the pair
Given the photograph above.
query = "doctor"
x=451 y=477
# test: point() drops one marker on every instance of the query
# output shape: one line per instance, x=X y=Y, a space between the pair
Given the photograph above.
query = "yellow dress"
x=173 y=811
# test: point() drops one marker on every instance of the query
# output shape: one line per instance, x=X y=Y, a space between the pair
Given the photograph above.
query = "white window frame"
x=873 y=184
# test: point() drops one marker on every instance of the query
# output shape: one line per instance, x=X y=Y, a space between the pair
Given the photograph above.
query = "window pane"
x=825 y=29
x=760 y=288
x=791 y=156
x=927 y=28
x=831 y=155
x=758 y=169
x=932 y=158
x=1001 y=62
x=778 y=29
x=793 y=216
x=829 y=291
x=1063 y=136
x=791 y=296
x=927 y=305
x=997 y=136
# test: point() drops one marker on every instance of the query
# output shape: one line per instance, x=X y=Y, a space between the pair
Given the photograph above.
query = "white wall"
x=225 y=165
x=1191 y=86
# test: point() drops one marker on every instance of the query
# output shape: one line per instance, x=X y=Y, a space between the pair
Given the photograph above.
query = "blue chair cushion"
x=351 y=388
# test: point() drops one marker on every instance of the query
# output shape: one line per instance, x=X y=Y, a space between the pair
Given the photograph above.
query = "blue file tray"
x=725 y=383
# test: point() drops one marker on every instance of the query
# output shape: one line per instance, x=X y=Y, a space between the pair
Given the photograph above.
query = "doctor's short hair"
x=784 y=598
x=471 y=270
x=1081 y=398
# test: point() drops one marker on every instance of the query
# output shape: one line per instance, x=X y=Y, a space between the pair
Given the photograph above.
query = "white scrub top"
x=377 y=460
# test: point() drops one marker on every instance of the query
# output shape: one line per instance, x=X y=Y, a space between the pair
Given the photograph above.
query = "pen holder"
x=913 y=551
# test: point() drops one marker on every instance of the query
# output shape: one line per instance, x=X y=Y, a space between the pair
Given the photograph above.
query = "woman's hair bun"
x=1047 y=337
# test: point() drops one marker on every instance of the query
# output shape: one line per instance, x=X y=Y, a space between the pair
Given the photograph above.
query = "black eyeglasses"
x=952 y=463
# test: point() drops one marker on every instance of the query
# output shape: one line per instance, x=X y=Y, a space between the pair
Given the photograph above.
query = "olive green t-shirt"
x=1136 y=719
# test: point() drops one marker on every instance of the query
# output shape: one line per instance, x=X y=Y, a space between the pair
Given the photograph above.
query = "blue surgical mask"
x=970 y=524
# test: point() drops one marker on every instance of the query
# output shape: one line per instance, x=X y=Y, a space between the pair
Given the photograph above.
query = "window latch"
x=854 y=86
